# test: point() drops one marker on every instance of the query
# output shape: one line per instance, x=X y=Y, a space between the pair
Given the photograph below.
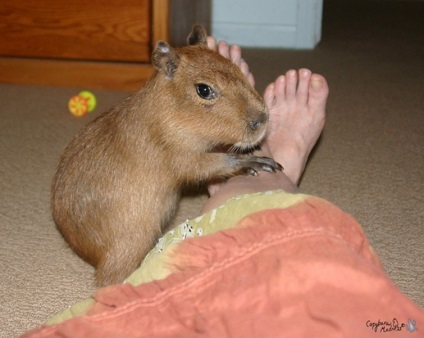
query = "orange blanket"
x=302 y=271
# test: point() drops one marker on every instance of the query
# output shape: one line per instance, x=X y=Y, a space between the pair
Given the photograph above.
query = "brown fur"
x=117 y=184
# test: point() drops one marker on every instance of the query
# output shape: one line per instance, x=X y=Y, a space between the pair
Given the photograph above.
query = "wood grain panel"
x=118 y=30
x=100 y=75
x=160 y=15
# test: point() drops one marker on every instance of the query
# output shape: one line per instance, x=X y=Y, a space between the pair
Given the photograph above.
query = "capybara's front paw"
x=253 y=164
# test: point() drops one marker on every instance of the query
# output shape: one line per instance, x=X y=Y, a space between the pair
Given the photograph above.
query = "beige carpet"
x=369 y=162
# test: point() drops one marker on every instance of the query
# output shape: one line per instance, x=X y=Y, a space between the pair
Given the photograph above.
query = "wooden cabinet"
x=91 y=44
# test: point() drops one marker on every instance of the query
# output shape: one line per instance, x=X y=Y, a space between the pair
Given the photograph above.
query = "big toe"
x=318 y=92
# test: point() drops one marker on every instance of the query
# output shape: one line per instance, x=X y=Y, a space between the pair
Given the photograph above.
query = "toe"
x=269 y=95
x=245 y=70
x=212 y=45
x=251 y=79
x=224 y=49
x=235 y=54
x=318 y=92
x=291 y=85
x=280 y=90
x=303 y=86
x=244 y=67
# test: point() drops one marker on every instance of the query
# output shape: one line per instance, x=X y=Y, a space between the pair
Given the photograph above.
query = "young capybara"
x=118 y=182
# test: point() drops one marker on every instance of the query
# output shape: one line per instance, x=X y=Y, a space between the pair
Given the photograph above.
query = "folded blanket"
x=270 y=264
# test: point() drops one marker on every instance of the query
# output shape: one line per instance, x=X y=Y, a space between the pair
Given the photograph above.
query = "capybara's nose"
x=256 y=123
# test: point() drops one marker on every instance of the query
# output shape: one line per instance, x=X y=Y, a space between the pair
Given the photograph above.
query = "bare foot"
x=296 y=102
x=297 y=115
x=234 y=54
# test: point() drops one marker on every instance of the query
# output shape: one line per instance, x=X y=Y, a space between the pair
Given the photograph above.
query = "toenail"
x=291 y=73
x=305 y=73
x=316 y=83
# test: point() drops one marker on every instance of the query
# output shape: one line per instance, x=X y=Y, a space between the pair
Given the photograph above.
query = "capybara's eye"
x=205 y=91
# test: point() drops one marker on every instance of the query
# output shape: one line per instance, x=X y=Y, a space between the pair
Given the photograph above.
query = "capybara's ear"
x=197 y=36
x=165 y=58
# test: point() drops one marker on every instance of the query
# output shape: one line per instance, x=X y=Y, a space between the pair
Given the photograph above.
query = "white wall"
x=268 y=23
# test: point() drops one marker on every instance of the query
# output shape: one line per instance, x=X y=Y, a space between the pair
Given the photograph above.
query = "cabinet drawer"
x=105 y=30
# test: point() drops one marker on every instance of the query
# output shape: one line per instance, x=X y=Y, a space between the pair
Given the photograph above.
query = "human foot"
x=296 y=102
x=232 y=53
x=297 y=115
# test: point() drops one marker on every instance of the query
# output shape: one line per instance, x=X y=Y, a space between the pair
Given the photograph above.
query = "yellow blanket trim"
x=154 y=266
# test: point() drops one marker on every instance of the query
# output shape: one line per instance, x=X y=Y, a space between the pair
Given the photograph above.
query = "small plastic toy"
x=83 y=103
x=91 y=99
x=78 y=106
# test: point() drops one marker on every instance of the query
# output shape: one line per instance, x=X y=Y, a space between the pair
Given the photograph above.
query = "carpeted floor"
x=369 y=161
